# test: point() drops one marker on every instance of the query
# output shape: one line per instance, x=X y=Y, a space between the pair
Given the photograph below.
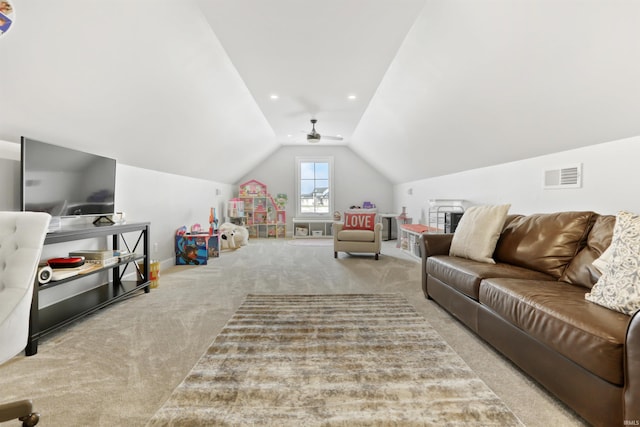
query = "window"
x=314 y=186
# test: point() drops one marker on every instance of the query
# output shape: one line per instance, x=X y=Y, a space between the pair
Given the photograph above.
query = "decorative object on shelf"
x=44 y=274
x=337 y=216
x=120 y=218
x=368 y=205
x=403 y=215
x=66 y=262
x=103 y=258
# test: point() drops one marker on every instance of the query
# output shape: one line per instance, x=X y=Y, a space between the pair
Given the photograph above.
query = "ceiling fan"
x=314 y=136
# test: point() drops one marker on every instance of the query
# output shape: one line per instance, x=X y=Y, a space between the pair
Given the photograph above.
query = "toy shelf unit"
x=312 y=228
x=410 y=238
x=264 y=216
x=444 y=214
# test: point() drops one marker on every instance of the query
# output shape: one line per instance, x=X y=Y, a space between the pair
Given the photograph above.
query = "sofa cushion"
x=619 y=286
x=582 y=270
x=556 y=314
x=544 y=242
x=465 y=275
x=478 y=231
x=356 y=235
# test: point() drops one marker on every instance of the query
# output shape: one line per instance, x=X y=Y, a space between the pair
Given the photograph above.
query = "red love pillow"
x=359 y=221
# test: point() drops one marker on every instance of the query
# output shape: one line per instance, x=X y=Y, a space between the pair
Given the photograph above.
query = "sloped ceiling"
x=441 y=85
x=478 y=83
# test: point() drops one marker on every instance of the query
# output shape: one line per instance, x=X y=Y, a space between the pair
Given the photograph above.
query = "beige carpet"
x=311 y=242
x=331 y=360
x=118 y=366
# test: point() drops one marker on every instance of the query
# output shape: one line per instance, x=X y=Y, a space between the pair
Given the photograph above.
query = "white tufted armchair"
x=21 y=239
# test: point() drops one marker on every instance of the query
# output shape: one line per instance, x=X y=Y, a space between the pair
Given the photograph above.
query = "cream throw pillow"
x=478 y=232
x=619 y=286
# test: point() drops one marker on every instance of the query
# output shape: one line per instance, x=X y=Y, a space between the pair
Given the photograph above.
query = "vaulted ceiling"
x=440 y=86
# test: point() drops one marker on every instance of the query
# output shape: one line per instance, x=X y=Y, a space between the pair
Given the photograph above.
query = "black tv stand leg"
x=103 y=220
x=32 y=347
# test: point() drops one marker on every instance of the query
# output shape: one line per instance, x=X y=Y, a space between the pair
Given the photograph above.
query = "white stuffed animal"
x=241 y=235
x=232 y=236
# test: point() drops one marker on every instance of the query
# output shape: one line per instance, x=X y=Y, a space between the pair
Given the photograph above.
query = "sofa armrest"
x=632 y=372
x=337 y=227
x=435 y=244
x=432 y=244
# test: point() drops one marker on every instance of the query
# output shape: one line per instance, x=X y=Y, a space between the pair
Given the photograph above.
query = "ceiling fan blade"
x=333 y=138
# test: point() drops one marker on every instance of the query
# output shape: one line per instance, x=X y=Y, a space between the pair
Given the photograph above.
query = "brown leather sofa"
x=530 y=306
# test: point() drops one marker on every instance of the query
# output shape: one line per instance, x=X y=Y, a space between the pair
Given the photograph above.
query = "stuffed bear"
x=241 y=236
x=232 y=236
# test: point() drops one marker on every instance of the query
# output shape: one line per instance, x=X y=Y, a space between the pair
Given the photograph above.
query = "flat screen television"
x=66 y=182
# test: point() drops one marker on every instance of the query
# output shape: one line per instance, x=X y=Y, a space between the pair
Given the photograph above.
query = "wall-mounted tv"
x=66 y=182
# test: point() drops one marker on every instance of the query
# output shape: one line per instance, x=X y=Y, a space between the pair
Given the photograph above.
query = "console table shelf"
x=63 y=312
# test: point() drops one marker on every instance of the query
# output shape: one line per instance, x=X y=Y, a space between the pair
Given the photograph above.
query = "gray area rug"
x=331 y=360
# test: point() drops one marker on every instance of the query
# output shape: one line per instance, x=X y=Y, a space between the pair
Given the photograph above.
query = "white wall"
x=167 y=201
x=611 y=178
x=355 y=180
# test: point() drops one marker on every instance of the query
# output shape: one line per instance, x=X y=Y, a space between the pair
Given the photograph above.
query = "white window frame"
x=314 y=159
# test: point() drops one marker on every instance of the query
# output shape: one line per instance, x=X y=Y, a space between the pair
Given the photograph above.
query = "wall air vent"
x=565 y=177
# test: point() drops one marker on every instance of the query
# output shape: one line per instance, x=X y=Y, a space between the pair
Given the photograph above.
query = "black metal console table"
x=61 y=313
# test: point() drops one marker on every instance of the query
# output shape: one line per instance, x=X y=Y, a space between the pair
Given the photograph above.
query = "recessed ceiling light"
x=290 y=136
x=274 y=96
x=351 y=97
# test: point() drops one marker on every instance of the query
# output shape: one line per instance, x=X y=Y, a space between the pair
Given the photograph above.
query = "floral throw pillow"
x=619 y=286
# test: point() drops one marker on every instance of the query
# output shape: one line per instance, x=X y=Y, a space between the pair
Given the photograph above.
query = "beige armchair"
x=358 y=241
